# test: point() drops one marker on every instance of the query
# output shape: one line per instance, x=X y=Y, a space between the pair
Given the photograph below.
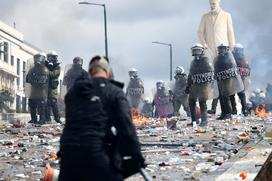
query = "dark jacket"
x=112 y=110
x=118 y=110
x=85 y=120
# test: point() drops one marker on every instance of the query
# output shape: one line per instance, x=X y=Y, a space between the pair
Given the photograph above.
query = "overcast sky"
x=77 y=30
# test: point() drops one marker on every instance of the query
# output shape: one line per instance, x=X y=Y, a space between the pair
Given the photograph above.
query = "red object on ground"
x=184 y=153
x=243 y=175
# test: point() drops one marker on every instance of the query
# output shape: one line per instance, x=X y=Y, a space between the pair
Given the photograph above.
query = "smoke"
x=77 y=30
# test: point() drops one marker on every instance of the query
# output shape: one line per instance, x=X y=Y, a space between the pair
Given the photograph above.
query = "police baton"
x=145 y=175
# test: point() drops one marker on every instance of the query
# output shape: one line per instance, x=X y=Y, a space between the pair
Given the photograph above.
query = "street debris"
x=173 y=151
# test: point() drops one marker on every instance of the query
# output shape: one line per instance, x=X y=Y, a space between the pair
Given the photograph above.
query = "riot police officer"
x=54 y=72
x=180 y=97
x=147 y=109
x=228 y=79
x=244 y=71
x=37 y=88
x=73 y=72
x=200 y=85
x=163 y=101
x=135 y=89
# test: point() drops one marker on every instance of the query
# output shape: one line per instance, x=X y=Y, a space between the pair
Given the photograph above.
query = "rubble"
x=173 y=151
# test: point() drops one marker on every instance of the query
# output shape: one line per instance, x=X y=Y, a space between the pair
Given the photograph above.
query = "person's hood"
x=84 y=87
x=118 y=84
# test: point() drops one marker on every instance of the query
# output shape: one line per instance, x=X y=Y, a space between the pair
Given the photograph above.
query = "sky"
x=78 y=30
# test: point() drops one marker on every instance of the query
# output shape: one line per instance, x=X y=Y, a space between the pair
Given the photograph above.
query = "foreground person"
x=200 y=85
x=92 y=107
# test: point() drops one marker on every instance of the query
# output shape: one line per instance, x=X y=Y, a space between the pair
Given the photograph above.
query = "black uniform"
x=84 y=150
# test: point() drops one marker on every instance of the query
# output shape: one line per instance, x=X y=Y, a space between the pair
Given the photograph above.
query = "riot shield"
x=227 y=75
x=244 y=70
x=37 y=79
x=27 y=88
x=203 y=83
x=135 y=92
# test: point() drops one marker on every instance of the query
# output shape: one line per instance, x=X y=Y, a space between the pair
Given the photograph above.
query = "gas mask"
x=223 y=50
x=132 y=74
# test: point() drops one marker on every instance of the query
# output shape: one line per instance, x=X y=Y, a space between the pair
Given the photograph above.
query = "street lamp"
x=171 y=55
x=105 y=22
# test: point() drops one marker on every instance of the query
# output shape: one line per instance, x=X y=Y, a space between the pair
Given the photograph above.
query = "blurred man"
x=180 y=97
x=135 y=89
x=200 y=86
x=228 y=79
x=37 y=77
x=163 y=101
x=95 y=107
x=52 y=101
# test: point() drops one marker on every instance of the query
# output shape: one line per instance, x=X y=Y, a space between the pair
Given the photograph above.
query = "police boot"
x=212 y=111
x=33 y=121
x=203 y=123
x=234 y=111
x=58 y=120
x=245 y=112
x=227 y=116
x=221 y=117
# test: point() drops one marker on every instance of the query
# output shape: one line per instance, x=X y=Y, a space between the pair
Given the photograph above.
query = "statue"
x=216 y=28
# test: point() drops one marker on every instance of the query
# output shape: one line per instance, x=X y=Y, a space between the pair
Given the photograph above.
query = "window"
x=6 y=51
x=18 y=66
x=12 y=60
x=24 y=73
x=18 y=83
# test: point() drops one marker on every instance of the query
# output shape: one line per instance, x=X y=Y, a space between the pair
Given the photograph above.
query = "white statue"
x=216 y=28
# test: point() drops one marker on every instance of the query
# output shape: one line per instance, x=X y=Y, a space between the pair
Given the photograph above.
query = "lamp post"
x=171 y=55
x=105 y=22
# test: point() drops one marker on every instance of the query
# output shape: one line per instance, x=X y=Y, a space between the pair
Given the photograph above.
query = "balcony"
x=7 y=68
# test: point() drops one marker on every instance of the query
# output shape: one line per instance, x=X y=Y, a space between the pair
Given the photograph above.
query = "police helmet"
x=52 y=56
x=133 y=73
x=78 y=60
x=180 y=70
x=198 y=50
x=39 y=58
x=223 y=49
x=238 y=48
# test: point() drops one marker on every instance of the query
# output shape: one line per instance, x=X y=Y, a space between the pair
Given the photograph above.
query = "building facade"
x=14 y=53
